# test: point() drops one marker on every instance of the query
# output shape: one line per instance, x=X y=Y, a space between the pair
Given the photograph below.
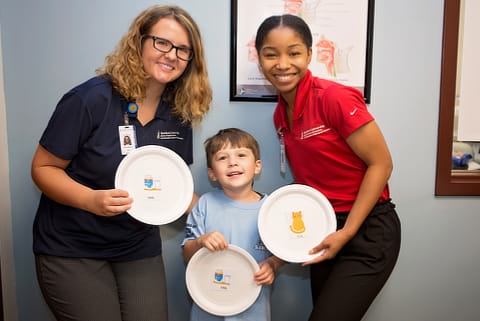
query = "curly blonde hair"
x=190 y=94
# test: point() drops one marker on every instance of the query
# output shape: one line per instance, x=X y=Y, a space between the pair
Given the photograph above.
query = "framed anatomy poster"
x=342 y=43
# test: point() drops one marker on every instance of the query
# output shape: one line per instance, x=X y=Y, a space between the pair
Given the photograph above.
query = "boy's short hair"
x=230 y=136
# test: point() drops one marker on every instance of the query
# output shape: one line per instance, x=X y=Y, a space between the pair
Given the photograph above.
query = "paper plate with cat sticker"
x=159 y=181
x=221 y=282
x=294 y=219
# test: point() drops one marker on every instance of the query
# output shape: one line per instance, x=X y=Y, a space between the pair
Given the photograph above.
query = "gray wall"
x=51 y=45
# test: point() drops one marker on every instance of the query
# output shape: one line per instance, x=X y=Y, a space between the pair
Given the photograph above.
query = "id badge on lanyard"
x=283 y=157
x=126 y=133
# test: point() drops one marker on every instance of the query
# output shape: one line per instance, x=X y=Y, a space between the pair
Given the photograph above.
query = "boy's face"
x=234 y=168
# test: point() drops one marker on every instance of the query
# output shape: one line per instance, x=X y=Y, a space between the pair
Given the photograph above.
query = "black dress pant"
x=343 y=288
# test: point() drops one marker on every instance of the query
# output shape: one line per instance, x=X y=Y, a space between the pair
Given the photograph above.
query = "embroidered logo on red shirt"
x=314 y=131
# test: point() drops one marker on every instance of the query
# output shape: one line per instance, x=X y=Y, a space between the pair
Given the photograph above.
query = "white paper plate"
x=294 y=219
x=221 y=282
x=159 y=181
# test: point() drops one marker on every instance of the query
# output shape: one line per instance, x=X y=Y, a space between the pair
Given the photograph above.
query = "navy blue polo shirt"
x=84 y=129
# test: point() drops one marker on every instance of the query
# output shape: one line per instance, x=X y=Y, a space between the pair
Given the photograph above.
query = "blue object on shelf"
x=461 y=162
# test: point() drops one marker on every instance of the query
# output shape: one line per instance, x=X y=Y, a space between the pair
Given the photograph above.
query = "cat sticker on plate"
x=294 y=219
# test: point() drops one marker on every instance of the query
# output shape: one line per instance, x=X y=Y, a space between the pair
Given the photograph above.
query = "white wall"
x=52 y=45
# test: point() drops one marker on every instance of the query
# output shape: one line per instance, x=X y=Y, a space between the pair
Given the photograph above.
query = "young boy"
x=229 y=215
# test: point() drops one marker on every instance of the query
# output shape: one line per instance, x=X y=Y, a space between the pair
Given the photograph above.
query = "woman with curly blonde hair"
x=93 y=260
x=190 y=94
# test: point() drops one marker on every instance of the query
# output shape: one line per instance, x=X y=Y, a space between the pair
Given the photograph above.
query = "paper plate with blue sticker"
x=159 y=181
x=221 y=282
x=293 y=219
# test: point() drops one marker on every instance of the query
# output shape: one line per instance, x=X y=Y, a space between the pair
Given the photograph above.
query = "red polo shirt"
x=325 y=114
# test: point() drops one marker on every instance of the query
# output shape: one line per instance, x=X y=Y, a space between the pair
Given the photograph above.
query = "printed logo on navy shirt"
x=169 y=135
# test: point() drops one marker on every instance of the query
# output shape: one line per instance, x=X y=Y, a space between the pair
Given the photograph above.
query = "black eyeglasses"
x=164 y=45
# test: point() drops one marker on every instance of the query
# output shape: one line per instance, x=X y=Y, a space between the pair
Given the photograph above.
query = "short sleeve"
x=68 y=128
x=344 y=109
x=195 y=225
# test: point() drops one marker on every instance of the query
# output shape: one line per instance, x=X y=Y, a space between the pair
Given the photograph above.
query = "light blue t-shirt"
x=237 y=221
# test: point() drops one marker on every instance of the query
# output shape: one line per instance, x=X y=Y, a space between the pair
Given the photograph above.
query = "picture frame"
x=449 y=181
x=342 y=43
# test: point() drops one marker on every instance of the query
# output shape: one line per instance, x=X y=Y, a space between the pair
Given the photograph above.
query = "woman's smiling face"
x=164 y=68
x=284 y=58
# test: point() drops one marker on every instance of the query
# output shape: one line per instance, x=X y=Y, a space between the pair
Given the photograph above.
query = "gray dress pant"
x=77 y=289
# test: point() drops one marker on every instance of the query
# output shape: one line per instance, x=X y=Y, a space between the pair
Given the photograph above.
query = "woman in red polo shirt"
x=333 y=144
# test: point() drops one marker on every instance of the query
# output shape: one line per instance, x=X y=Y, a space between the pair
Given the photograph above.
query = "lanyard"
x=126 y=133
x=283 y=158
x=132 y=110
